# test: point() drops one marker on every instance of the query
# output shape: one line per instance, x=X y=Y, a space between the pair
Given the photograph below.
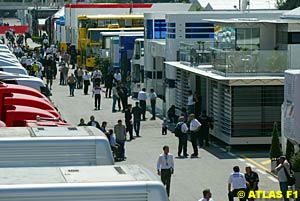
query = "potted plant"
x=295 y=162
x=275 y=149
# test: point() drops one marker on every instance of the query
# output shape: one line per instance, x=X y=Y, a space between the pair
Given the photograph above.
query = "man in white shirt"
x=195 y=129
x=238 y=182
x=165 y=167
x=206 y=195
x=142 y=97
x=117 y=76
x=97 y=75
x=153 y=97
x=190 y=103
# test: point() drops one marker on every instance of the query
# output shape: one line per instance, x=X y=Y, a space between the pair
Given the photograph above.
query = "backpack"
x=177 y=130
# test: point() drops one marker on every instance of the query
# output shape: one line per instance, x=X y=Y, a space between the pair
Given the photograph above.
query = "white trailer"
x=88 y=183
x=53 y=146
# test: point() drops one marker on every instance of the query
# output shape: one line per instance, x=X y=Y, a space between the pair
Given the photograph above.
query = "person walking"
x=206 y=123
x=142 y=97
x=206 y=195
x=164 y=127
x=137 y=113
x=115 y=97
x=86 y=82
x=195 y=126
x=182 y=137
x=128 y=121
x=252 y=180
x=93 y=122
x=97 y=94
x=79 y=78
x=120 y=131
x=153 y=97
x=109 y=79
x=283 y=170
x=72 y=83
x=165 y=167
x=172 y=114
x=237 y=181
x=49 y=77
x=97 y=75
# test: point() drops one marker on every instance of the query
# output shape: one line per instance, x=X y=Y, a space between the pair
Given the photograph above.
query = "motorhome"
x=89 y=183
x=53 y=146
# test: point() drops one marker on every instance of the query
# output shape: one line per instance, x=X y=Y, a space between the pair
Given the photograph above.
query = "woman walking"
x=72 y=83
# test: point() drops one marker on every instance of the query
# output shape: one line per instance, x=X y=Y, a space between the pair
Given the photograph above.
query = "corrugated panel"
x=16 y=154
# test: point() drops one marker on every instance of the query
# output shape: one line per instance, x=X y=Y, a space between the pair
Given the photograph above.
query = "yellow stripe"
x=266 y=162
x=255 y=163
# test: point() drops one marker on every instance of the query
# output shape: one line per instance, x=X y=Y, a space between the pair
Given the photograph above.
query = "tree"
x=296 y=162
x=287 y=4
x=103 y=64
x=290 y=150
x=275 y=149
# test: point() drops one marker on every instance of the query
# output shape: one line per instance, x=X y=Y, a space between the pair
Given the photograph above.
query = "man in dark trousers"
x=124 y=96
x=137 y=113
x=142 y=97
x=252 y=180
x=206 y=123
x=109 y=79
x=128 y=121
x=153 y=97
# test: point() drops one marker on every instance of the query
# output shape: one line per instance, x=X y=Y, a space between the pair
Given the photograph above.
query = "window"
x=199 y=30
x=160 y=29
x=169 y=30
x=149 y=30
x=199 y=35
x=172 y=36
x=171 y=25
x=248 y=38
x=294 y=38
x=196 y=24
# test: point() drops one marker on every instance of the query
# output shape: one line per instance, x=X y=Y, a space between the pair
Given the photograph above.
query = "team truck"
x=53 y=146
x=88 y=183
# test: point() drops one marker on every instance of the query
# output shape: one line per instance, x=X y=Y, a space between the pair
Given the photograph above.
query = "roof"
x=231 y=4
x=66 y=131
x=292 y=14
x=80 y=174
x=59 y=13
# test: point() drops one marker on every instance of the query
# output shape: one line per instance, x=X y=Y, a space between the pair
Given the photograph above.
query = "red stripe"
x=17 y=29
x=117 y=5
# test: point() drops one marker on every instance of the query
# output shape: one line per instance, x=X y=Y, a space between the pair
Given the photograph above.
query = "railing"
x=235 y=63
x=259 y=62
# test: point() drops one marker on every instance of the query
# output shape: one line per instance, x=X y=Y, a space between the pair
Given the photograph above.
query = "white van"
x=53 y=146
x=30 y=81
x=14 y=69
x=93 y=183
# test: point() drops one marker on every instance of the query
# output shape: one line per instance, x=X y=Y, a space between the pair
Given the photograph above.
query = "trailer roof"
x=79 y=174
x=64 y=131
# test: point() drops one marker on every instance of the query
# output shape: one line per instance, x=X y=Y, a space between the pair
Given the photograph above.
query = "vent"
x=120 y=170
x=40 y=129
x=73 y=170
x=72 y=128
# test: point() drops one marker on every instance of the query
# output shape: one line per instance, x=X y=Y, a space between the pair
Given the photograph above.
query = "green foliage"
x=287 y=4
x=296 y=162
x=103 y=64
x=37 y=39
x=290 y=150
x=275 y=149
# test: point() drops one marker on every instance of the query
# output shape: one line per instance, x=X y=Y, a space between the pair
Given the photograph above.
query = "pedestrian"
x=61 y=73
x=184 y=114
x=93 y=122
x=97 y=94
x=86 y=82
x=124 y=97
x=206 y=123
x=172 y=114
x=109 y=84
x=65 y=73
x=72 y=83
x=182 y=137
x=103 y=127
x=115 y=98
x=137 y=113
x=206 y=195
x=195 y=126
x=252 y=180
x=39 y=74
x=237 y=181
x=49 y=77
x=283 y=170
x=164 y=127
x=81 y=122
x=165 y=168
x=97 y=75
x=190 y=103
x=128 y=121
x=117 y=76
x=128 y=83
x=120 y=131
x=142 y=97
x=153 y=97
x=79 y=78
